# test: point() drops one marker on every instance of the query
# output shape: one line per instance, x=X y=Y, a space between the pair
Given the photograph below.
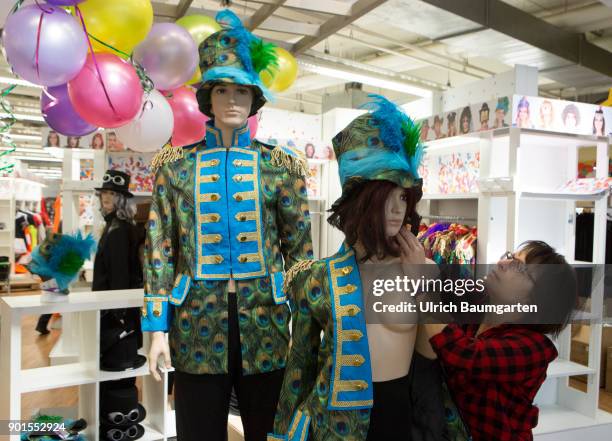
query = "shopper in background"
x=494 y=370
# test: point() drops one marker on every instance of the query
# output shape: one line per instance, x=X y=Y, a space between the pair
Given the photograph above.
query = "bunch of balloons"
x=94 y=59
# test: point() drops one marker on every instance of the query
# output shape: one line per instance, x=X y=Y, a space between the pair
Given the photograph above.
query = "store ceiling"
x=419 y=45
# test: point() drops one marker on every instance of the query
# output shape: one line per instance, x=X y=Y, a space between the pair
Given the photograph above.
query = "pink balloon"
x=189 y=122
x=122 y=85
x=253 y=125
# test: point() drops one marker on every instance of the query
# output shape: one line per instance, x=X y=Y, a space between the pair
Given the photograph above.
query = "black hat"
x=119 y=351
x=117 y=181
x=128 y=433
x=120 y=407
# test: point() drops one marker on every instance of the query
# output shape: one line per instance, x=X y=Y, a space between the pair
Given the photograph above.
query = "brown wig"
x=555 y=291
x=360 y=215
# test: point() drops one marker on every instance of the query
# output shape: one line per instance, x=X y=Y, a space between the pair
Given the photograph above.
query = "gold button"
x=346 y=270
x=242 y=218
x=350 y=288
x=239 y=163
x=214 y=197
x=215 y=217
x=218 y=237
x=238 y=198
x=241 y=238
x=215 y=162
x=156 y=313
x=351 y=311
x=361 y=386
x=215 y=178
x=239 y=178
x=218 y=259
x=242 y=259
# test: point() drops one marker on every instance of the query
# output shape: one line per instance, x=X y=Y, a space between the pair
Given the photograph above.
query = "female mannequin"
x=354 y=382
x=226 y=220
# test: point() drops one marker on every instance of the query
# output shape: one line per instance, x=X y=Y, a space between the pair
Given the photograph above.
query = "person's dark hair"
x=465 y=113
x=360 y=215
x=603 y=120
x=555 y=288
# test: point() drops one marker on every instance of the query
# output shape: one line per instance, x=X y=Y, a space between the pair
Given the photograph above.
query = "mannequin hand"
x=159 y=346
x=411 y=250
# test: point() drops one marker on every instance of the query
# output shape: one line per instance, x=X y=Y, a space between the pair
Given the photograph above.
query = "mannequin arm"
x=301 y=369
x=160 y=255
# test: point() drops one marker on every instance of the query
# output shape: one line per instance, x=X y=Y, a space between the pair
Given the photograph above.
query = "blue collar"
x=240 y=138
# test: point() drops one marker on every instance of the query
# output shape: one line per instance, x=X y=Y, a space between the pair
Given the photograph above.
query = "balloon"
x=189 y=122
x=199 y=26
x=196 y=78
x=62 y=44
x=253 y=122
x=169 y=55
x=285 y=74
x=121 y=24
x=152 y=127
x=122 y=85
x=64 y=2
x=58 y=112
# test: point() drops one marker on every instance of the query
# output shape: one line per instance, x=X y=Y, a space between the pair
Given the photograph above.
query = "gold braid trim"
x=302 y=265
x=166 y=155
x=295 y=165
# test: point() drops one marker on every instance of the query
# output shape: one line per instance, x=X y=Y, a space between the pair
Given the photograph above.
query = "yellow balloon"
x=121 y=24
x=196 y=78
x=199 y=26
x=608 y=102
x=284 y=76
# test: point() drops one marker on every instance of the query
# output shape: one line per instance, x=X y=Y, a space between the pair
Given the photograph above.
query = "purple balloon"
x=64 y=2
x=62 y=44
x=58 y=112
x=168 y=54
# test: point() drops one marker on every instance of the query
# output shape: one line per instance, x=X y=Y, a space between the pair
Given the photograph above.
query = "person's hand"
x=411 y=250
x=159 y=347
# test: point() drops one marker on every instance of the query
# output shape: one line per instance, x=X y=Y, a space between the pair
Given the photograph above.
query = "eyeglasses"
x=120 y=435
x=517 y=265
x=120 y=418
x=117 y=179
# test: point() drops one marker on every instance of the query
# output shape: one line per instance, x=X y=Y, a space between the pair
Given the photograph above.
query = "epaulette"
x=291 y=159
x=169 y=154
x=297 y=268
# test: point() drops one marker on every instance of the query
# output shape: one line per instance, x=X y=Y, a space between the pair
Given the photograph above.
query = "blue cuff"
x=298 y=429
x=155 y=314
x=277 y=288
x=180 y=290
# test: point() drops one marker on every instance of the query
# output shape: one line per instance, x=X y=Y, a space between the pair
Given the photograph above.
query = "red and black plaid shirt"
x=494 y=377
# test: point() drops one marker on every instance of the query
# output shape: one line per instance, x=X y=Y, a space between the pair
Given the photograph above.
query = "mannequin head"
x=230 y=105
x=373 y=212
x=112 y=201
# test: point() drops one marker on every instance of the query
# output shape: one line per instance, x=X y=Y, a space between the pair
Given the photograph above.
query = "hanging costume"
x=222 y=213
x=328 y=392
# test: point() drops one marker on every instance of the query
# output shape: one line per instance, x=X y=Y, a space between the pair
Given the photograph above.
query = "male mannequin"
x=226 y=220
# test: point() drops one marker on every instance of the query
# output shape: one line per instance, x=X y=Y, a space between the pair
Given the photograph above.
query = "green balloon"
x=199 y=26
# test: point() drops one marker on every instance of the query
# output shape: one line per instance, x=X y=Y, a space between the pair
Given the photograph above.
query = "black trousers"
x=390 y=418
x=202 y=401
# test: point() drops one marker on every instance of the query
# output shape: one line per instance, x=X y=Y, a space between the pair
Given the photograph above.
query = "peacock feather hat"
x=382 y=144
x=235 y=55
x=61 y=257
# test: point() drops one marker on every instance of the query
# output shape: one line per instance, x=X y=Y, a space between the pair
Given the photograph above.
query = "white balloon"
x=152 y=127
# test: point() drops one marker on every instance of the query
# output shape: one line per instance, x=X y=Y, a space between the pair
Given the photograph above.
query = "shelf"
x=555 y=418
x=81 y=186
x=53 y=377
x=438 y=196
x=142 y=193
x=566 y=368
x=563 y=196
x=151 y=434
x=78 y=302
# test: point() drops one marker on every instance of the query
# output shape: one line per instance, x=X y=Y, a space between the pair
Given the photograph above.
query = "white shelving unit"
x=85 y=371
x=520 y=173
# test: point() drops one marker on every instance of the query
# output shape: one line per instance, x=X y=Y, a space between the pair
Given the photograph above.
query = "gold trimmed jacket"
x=221 y=213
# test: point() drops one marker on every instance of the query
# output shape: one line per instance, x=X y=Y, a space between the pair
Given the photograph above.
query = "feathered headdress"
x=61 y=256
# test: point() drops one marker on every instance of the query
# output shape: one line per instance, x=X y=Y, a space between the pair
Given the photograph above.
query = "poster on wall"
x=479 y=117
x=98 y=140
x=137 y=165
x=561 y=116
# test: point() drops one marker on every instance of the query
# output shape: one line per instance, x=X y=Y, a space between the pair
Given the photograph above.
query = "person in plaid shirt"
x=494 y=371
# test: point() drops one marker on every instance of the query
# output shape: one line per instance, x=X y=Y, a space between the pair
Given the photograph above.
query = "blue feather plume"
x=59 y=264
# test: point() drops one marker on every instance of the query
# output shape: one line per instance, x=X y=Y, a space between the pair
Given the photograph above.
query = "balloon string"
x=93 y=56
x=5 y=125
x=38 y=32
